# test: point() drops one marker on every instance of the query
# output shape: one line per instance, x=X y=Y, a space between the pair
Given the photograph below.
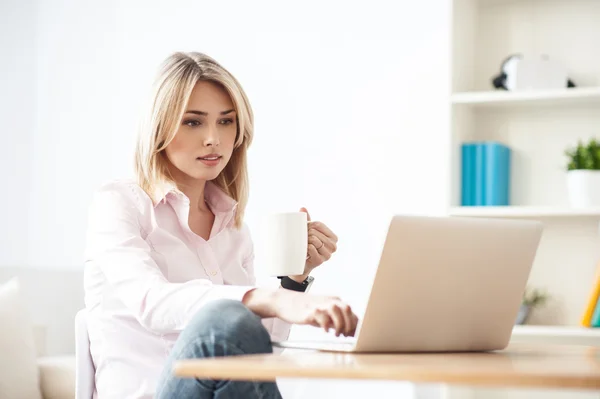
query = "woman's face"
x=204 y=141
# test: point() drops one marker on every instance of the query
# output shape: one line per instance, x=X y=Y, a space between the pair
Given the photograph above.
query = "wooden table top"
x=519 y=365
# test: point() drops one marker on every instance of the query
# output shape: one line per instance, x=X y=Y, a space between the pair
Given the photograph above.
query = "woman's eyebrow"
x=202 y=113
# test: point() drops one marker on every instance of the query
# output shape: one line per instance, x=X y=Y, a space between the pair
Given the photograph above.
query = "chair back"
x=85 y=372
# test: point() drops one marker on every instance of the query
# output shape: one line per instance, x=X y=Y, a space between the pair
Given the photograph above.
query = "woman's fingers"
x=315 y=241
x=322 y=319
x=342 y=319
x=321 y=241
x=321 y=227
x=337 y=317
x=313 y=254
x=333 y=313
x=322 y=249
x=354 y=325
x=348 y=321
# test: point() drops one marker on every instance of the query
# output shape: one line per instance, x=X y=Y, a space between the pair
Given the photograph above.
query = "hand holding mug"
x=322 y=244
x=296 y=245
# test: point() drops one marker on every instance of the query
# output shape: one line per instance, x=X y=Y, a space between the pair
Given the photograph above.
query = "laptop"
x=443 y=284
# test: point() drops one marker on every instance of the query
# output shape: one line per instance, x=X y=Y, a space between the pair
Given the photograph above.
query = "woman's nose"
x=212 y=137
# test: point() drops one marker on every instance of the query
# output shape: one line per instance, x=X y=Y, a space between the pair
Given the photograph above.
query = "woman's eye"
x=191 y=122
x=226 y=121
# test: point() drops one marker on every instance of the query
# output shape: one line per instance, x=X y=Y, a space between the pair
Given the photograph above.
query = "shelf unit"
x=550 y=334
x=537 y=125
x=499 y=98
x=526 y=212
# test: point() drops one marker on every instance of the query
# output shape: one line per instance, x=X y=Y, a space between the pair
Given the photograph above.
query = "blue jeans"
x=221 y=328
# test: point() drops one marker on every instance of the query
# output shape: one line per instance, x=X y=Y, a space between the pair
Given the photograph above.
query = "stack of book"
x=485 y=174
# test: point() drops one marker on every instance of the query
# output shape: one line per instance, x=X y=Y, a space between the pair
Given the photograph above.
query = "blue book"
x=496 y=171
x=468 y=174
x=596 y=316
x=480 y=174
x=485 y=174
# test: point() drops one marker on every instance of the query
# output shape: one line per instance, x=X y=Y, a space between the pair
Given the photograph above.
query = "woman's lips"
x=210 y=160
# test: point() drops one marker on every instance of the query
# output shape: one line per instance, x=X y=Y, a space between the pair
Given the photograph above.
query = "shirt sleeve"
x=116 y=245
x=278 y=329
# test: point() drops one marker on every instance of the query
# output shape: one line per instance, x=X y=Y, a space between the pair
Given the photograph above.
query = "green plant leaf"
x=584 y=155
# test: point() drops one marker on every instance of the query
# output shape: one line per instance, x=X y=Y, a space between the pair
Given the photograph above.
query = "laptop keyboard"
x=333 y=345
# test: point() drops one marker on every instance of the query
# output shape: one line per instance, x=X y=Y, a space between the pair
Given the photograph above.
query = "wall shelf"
x=523 y=211
x=501 y=98
x=566 y=335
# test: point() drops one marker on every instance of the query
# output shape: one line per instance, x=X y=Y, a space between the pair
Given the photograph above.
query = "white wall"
x=79 y=138
x=17 y=120
x=349 y=98
x=350 y=105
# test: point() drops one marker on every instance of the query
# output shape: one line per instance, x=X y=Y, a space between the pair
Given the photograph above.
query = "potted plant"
x=583 y=174
x=531 y=299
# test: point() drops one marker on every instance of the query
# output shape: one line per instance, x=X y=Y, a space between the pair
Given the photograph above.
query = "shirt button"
x=213 y=273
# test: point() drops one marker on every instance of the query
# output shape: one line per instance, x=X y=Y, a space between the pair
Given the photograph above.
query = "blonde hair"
x=171 y=91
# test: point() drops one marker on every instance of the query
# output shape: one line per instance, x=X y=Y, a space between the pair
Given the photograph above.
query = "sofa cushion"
x=19 y=376
x=57 y=377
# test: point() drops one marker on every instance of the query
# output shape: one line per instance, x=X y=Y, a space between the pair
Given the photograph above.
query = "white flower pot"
x=584 y=188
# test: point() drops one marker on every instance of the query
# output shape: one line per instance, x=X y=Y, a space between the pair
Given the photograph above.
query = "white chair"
x=84 y=366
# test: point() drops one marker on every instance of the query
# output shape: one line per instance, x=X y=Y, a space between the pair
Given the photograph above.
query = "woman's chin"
x=205 y=175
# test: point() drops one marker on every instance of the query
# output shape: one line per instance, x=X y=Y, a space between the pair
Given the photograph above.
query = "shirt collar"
x=162 y=191
x=216 y=198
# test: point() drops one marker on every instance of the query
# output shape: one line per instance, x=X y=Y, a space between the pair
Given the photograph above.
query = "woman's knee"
x=231 y=321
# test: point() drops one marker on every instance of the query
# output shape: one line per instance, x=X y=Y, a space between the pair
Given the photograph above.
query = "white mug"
x=286 y=243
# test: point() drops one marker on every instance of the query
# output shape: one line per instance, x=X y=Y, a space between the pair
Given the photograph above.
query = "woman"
x=169 y=261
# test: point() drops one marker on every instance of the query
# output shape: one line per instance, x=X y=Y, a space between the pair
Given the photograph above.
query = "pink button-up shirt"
x=147 y=274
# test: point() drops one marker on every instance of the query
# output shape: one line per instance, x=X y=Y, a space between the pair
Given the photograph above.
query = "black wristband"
x=293 y=285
